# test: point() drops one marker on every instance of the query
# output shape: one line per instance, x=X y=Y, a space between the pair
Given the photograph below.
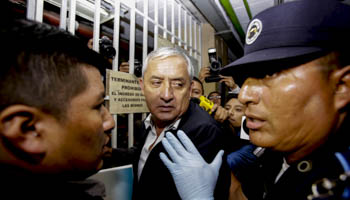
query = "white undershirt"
x=152 y=138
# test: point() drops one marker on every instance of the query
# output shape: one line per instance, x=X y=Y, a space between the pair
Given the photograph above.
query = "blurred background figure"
x=105 y=48
x=197 y=88
x=215 y=97
x=235 y=113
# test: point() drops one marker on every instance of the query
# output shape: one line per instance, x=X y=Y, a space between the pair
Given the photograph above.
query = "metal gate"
x=169 y=21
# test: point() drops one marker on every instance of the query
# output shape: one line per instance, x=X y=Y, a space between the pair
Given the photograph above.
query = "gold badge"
x=254 y=30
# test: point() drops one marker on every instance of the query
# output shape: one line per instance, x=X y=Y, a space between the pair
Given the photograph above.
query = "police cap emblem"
x=254 y=30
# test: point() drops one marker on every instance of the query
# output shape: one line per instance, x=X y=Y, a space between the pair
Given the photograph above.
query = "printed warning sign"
x=125 y=94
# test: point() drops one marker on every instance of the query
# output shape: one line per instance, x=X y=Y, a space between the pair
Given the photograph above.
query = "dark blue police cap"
x=291 y=34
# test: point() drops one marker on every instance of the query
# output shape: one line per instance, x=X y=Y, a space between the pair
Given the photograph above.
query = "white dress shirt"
x=152 y=139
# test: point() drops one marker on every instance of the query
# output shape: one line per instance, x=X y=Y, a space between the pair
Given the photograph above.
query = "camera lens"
x=215 y=66
x=106 y=48
x=137 y=68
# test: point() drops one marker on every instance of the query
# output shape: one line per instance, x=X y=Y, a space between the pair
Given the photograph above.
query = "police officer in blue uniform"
x=296 y=87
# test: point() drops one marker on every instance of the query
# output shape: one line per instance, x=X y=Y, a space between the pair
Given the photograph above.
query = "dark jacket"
x=20 y=186
x=156 y=181
x=297 y=181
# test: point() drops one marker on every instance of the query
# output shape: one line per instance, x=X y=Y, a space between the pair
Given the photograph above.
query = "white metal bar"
x=165 y=19
x=128 y=3
x=191 y=43
x=63 y=15
x=31 y=9
x=155 y=40
x=200 y=45
x=185 y=32
x=96 y=32
x=179 y=24
x=131 y=68
x=195 y=39
x=114 y=138
x=173 y=21
x=159 y=25
x=145 y=31
x=39 y=10
x=132 y=38
x=145 y=37
x=130 y=130
x=116 y=33
x=71 y=23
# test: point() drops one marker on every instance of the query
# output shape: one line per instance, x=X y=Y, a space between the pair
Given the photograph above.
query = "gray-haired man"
x=166 y=83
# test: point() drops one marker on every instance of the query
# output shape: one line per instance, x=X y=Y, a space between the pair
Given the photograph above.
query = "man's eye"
x=156 y=83
x=99 y=106
x=177 y=84
x=271 y=75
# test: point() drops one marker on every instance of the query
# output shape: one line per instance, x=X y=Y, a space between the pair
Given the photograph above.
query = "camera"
x=106 y=48
x=137 y=68
x=215 y=66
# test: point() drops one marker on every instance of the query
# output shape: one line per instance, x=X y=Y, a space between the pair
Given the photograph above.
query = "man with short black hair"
x=53 y=124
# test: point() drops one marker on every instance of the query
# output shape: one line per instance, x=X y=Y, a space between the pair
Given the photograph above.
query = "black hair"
x=231 y=96
x=213 y=92
x=42 y=66
x=200 y=82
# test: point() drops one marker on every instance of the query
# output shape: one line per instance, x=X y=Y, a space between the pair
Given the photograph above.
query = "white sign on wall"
x=125 y=94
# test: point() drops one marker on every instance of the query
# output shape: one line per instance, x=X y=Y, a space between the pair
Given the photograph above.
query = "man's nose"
x=250 y=92
x=167 y=93
x=231 y=112
x=108 y=121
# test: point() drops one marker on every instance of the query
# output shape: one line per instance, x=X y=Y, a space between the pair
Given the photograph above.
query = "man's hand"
x=220 y=113
x=203 y=73
x=124 y=67
x=229 y=82
x=193 y=177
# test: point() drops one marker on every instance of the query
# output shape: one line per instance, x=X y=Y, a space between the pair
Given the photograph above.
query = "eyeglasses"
x=214 y=97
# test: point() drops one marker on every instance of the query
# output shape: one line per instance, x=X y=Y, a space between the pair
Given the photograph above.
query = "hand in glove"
x=193 y=177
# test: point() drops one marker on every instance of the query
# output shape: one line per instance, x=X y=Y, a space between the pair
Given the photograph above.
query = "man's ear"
x=142 y=85
x=19 y=128
x=342 y=90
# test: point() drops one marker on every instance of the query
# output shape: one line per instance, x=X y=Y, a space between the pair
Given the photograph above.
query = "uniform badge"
x=254 y=30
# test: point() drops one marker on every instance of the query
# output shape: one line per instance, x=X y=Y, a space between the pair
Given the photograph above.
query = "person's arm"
x=230 y=83
x=124 y=67
x=220 y=113
x=236 y=192
x=203 y=73
x=187 y=168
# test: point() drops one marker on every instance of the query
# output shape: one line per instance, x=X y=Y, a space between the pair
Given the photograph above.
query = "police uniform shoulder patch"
x=254 y=30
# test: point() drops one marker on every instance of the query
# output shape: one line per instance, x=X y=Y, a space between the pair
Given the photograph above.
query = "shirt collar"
x=149 y=123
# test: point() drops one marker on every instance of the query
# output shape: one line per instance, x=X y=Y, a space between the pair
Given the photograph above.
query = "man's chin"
x=165 y=116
